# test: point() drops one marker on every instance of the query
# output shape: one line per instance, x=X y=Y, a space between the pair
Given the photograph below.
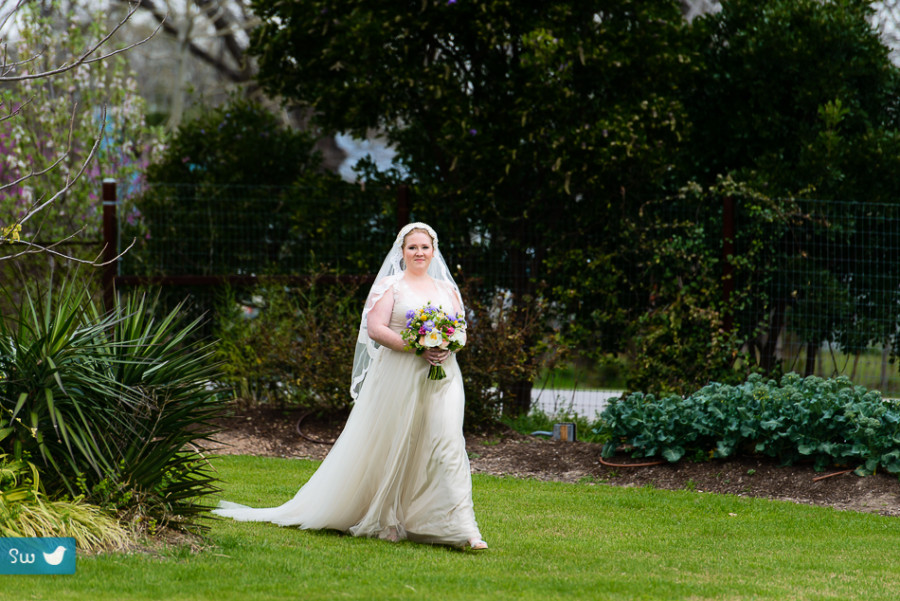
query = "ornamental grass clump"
x=26 y=512
x=827 y=421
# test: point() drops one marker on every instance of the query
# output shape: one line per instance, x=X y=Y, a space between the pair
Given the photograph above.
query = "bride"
x=399 y=469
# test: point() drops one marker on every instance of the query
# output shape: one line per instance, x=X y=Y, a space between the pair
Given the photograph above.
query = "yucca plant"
x=57 y=386
x=114 y=406
x=24 y=511
x=175 y=381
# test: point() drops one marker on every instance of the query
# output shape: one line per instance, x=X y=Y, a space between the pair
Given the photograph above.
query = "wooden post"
x=110 y=243
x=727 y=266
x=402 y=206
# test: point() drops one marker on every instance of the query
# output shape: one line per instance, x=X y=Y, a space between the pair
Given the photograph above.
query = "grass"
x=539 y=421
x=548 y=541
x=584 y=376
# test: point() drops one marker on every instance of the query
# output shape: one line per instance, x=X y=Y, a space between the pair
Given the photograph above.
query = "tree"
x=235 y=192
x=800 y=100
x=214 y=33
x=204 y=60
x=768 y=71
x=71 y=118
x=527 y=130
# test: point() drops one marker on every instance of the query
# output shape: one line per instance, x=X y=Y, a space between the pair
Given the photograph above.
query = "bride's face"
x=418 y=250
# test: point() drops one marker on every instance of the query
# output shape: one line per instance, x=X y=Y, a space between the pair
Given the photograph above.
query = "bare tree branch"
x=32 y=174
x=34 y=248
x=11 y=233
x=86 y=58
x=71 y=182
x=237 y=76
x=224 y=24
x=5 y=19
x=14 y=112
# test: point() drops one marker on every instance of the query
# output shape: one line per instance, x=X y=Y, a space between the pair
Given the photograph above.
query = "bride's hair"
x=420 y=230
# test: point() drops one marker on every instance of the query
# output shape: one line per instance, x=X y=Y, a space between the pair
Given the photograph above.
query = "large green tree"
x=799 y=99
x=581 y=151
x=528 y=130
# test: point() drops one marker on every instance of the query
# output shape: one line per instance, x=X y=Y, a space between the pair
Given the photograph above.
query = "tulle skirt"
x=399 y=469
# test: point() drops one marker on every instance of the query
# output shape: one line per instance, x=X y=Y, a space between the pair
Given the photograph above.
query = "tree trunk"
x=522 y=267
x=855 y=365
x=812 y=349
x=519 y=402
x=768 y=360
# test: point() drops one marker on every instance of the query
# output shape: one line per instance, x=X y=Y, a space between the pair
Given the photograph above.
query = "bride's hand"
x=436 y=356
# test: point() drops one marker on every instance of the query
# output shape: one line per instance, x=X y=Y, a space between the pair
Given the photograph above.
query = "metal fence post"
x=110 y=242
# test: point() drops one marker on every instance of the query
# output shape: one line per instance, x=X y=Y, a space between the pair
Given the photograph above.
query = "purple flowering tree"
x=70 y=117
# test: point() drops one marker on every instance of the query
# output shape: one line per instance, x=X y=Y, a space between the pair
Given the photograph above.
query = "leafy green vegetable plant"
x=826 y=421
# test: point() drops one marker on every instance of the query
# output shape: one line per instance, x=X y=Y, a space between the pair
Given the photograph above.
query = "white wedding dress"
x=399 y=469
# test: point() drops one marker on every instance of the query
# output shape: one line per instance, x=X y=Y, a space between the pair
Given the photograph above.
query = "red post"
x=110 y=242
x=728 y=230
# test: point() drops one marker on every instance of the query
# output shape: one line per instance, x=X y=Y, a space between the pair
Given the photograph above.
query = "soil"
x=275 y=433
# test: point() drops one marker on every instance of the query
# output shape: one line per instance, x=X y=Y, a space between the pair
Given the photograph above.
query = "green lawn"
x=548 y=541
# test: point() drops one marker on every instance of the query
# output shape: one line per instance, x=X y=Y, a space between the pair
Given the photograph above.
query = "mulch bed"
x=274 y=433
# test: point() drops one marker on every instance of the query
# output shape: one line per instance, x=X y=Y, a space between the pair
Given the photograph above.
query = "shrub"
x=236 y=192
x=297 y=351
x=113 y=406
x=498 y=357
x=827 y=421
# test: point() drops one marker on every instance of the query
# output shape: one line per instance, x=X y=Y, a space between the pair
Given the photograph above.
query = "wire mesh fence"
x=829 y=303
x=225 y=230
x=805 y=285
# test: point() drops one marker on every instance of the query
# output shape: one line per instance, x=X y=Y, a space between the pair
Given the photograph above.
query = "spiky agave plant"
x=114 y=406
x=175 y=381
x=57 y=387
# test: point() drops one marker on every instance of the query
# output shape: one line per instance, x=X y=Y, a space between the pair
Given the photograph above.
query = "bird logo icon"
x=55 y=558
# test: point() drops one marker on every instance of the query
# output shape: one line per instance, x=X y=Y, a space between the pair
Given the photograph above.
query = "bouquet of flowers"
x=431 y=327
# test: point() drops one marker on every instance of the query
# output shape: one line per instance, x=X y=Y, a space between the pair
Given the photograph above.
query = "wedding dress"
x=399 y=469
